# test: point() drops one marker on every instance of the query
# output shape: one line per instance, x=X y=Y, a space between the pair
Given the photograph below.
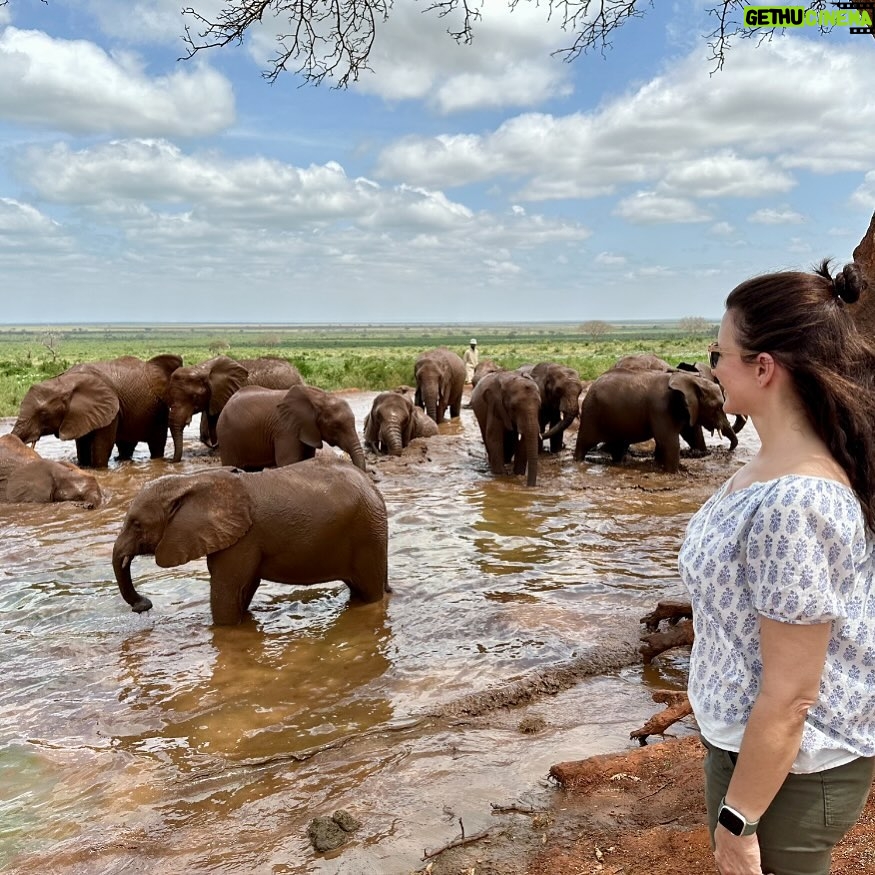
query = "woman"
x=779 y=564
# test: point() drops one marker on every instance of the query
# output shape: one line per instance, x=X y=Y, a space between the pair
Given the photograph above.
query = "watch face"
x=728 y=818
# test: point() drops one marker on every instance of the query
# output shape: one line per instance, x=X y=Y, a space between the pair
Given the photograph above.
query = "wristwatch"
x=735 y=821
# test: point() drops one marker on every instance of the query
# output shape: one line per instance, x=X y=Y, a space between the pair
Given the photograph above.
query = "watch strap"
x=735 y=821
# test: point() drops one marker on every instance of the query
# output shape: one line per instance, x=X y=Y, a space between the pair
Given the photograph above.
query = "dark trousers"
x=807 y=817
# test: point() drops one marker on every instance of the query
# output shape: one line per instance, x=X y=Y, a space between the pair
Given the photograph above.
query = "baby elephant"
x=27 y=477
x=393 y=422
x=316 y=521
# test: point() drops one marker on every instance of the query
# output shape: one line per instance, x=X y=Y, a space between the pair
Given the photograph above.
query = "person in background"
x=779 y=563
x=471 y=359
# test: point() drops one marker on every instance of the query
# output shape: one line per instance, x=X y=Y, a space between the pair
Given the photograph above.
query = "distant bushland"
x=370 y=357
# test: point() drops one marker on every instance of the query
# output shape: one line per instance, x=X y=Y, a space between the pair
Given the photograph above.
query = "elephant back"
x=272 y=372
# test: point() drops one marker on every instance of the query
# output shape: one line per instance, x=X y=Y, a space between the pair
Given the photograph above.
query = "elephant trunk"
x=727 y=431
x=357 y=454
x=179 y=418
x=25 y=432
x=532 y=446
x=121 y=566
x=739 y=423
x=92 y=498
x=560 y=426
x=392 y=438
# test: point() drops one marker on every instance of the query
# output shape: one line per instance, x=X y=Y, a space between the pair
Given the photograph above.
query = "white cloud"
x=413 y=57
x=722 y=229
x=648 y=207
x=76 y=86
x=864 y=195
x=686 y=132
x=609 y=259
x=147 y=21
x=769 y=216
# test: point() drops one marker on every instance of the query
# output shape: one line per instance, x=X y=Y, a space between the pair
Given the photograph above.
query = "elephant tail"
x=121 y=566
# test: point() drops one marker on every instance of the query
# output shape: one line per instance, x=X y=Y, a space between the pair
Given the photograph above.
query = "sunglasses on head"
x=714 y=353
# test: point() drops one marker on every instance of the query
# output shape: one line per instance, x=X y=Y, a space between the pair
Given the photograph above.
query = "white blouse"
x=795 y=549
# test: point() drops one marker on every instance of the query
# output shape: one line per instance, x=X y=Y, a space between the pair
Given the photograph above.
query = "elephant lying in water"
x=317 y=521
x=393 y=422
x=26 y=476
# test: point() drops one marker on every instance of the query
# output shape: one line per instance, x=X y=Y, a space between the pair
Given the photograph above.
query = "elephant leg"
x=509 y=447
x=126 y=450
x=102 y=442
x=440 y=410
x=369 y=580
x=695 y=437
x=519 y=457
x=585 y=442
x=231 y=586
x=668 y=452
x=157 y=443
x=493 y=438
x=83 y=450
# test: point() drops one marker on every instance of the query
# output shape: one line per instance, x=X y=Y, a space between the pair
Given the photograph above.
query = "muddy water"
x=156 y=742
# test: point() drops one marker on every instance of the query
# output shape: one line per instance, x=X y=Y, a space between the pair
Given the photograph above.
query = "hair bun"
x=849 y=283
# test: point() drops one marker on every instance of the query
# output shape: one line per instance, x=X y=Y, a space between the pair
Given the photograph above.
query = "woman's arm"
x=793 y=657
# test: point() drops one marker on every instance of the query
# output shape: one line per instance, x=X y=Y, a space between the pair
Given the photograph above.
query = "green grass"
x=331 y=357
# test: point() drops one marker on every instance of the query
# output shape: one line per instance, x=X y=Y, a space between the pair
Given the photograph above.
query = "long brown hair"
x=804 y=321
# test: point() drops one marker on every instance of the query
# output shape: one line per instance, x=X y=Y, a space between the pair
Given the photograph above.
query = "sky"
x=490 y=182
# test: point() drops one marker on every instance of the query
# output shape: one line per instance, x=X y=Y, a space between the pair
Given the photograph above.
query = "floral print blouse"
x=795 y=549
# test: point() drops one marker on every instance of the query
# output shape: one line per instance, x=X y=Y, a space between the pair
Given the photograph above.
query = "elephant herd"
x=278 y=512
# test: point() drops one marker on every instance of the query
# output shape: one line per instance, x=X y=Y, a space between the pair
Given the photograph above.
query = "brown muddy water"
x=156 y=742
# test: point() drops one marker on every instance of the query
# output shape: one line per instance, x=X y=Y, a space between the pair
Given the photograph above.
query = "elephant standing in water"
x=393 y=422
x=27 y=477
x=315 y=522
x=506 y=404
x=269 y=372
x=560 y=389
x=625 y=406
x=693 y=435
x=440 y=381
x=262 y=428
x=99 y=404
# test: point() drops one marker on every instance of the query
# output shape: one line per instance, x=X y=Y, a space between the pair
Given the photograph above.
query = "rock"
x=345 y=821
x=325 y=834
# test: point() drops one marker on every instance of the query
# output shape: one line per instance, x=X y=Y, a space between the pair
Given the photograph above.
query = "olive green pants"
x=807 y=817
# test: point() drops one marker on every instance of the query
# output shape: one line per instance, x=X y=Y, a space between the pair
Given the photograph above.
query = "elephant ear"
x=165 y=363
x=423 y=424
x=685 y=385
x=226 y=377
x=205 y=513
x=494 y=395
x=93 y=404
x=370 y=431
x=299 y=410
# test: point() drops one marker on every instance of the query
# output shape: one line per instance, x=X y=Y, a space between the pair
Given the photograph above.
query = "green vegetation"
x=337 y=356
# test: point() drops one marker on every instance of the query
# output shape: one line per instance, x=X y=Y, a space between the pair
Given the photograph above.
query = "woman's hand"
x=736 y=855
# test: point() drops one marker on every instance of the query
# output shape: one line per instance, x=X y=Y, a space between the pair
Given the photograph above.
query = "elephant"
x=440 y=381
x=393 y=422
x=560 y=389
x=269 y=371
x=487 y=366
x=99 y=404
x=262 y=428
x=693 y=435
x=315 y=522
x=704 y=370
x=506 y=404
x=26 y=476
x=624 y=406
x=203 y=388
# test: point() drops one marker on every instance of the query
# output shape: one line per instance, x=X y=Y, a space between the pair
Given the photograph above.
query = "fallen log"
x=668 y=609
x=678 y=707
x=679 y=635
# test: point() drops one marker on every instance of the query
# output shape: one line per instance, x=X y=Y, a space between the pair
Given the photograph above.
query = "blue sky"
x=489 y=182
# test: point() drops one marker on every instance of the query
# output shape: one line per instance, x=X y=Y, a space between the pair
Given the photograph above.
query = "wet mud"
x=157 y=742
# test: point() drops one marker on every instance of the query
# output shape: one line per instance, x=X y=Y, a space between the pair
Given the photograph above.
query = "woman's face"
x=736 y=376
